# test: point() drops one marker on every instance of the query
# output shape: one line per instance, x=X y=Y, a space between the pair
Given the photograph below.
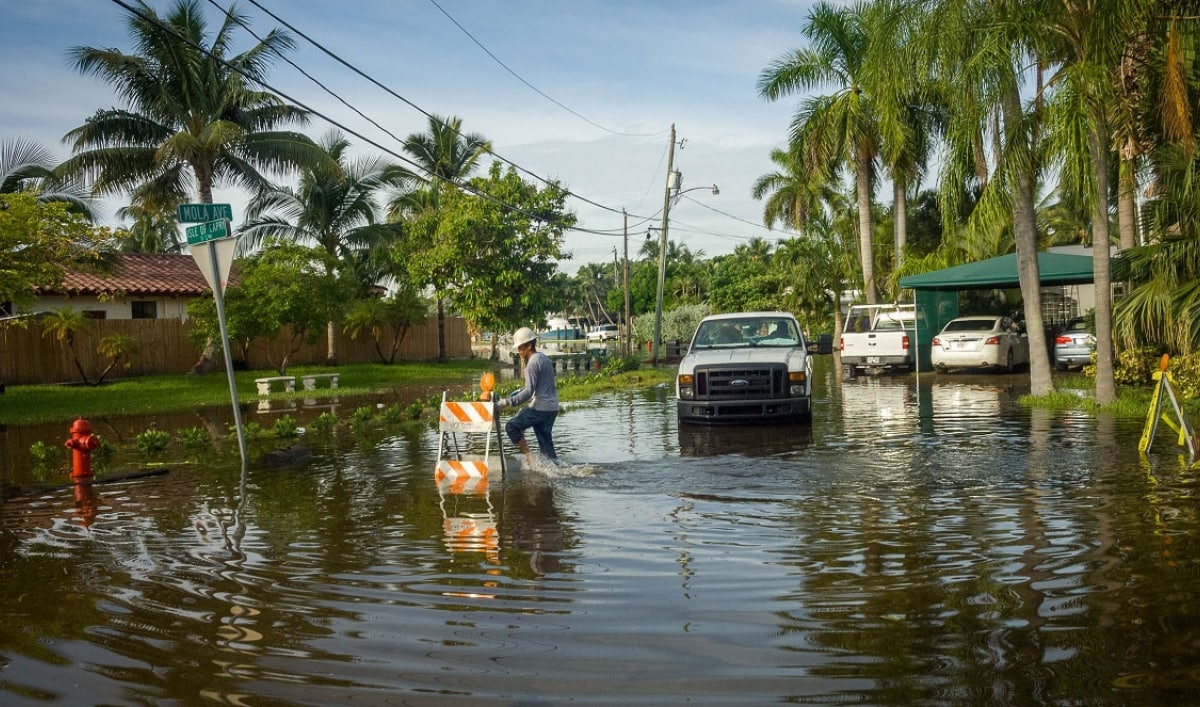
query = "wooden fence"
x=27 y=357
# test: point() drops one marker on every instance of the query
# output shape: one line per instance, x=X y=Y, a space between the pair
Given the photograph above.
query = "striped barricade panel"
x=467 y=417
x=462 y=477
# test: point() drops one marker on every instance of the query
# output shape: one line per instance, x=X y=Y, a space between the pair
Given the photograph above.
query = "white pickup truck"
x=746 y=367
x=878 y=338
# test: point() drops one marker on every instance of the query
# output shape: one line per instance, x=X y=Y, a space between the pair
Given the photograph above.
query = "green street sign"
x=205 y=232
x=200 y=213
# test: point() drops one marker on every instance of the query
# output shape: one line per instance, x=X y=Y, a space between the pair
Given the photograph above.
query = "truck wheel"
x=849 y=373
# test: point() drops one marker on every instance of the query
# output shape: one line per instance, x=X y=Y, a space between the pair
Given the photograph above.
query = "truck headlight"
x=686 y=392
x=797 y=379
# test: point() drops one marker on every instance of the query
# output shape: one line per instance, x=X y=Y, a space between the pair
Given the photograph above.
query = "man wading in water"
x=542 y=393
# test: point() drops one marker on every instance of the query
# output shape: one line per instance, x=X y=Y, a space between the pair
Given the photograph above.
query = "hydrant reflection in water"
x=81 y=444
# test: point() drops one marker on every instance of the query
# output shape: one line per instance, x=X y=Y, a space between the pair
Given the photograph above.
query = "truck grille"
x=734 y=382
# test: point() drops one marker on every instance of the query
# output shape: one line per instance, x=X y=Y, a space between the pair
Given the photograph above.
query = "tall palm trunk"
x=1025 y=237
x=1106 y=387
x=900 y=216
x=865 y=252
x=1127 y=204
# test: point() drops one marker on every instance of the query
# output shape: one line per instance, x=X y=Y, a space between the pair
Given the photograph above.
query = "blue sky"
x=629 y=68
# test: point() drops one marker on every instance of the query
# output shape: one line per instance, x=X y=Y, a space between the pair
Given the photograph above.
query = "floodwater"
x=925 y=541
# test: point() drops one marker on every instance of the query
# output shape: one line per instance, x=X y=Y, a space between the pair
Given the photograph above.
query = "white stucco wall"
x=118 y=308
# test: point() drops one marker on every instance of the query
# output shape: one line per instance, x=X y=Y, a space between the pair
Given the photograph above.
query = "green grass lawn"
x=31 y=404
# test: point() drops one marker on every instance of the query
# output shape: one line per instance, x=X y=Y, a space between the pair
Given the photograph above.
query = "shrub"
x=286 y=427
x=153 y=441
x=1136 y=367
x=324 y=423
x=621 y=364
x=194 y=437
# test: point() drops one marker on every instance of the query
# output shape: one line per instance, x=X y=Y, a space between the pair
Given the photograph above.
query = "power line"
x=386 y=89
x=535 y=89
x=727 y=215
x=464 y=186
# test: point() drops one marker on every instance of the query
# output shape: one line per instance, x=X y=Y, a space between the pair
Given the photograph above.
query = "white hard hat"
x=523 y=336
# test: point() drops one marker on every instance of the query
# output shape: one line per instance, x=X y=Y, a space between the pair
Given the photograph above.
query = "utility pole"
x=662 y=249
x=628 y=336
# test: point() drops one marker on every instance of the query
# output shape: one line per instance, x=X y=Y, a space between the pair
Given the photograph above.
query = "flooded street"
x=925 y=541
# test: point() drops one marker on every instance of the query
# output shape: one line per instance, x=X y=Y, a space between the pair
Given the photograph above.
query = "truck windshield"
x=734 y=333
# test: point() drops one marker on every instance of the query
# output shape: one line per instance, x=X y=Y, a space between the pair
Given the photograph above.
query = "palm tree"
x=795 y=193
x=908 y=105
x=192 y=119
x=446 y=155
x=1090 y=44
x=26 y=165
x=981 y=49
x=333 y=207
x=842 y=125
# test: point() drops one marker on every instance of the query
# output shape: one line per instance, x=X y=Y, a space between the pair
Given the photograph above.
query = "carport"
x=936 y=292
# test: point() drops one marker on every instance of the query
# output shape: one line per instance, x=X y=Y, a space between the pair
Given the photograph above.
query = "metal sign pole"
x=219 y=296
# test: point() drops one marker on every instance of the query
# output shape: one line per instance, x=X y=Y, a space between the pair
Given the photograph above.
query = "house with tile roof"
x=139 y=286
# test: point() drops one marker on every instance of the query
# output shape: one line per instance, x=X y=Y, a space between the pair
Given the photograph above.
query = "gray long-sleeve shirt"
x=540 y=384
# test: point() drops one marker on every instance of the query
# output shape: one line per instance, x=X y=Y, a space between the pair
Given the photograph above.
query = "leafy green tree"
x=37 y=238
x=282 y=286
x=447 y=156
x=495 y=257
x=395 y=313
x=333 y=207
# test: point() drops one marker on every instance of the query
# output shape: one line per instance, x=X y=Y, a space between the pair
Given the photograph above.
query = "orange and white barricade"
x=462 y=475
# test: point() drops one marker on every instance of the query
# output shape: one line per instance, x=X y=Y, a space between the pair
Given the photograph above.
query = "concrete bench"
x=310 y=380
x=264 y=384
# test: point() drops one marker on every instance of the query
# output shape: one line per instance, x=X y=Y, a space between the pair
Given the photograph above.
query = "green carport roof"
x=1001 y=273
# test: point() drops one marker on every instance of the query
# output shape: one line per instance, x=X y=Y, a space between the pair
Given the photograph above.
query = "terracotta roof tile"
x=141 y=274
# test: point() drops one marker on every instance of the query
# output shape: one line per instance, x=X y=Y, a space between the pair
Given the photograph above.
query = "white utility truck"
x=879 y=338
x=746 y=367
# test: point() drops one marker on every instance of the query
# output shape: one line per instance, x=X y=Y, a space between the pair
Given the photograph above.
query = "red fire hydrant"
x=82 y=443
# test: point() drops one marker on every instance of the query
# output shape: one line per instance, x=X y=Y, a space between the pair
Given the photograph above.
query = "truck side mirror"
x=823 y=344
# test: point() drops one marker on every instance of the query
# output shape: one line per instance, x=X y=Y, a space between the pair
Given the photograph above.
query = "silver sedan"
x=983 y=341
x=1074 y=346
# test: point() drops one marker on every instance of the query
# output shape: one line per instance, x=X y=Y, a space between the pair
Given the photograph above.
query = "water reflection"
x=922 y=541
x=745 y=440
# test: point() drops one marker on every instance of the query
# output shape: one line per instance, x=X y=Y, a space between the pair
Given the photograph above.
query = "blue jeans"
x=542 y=424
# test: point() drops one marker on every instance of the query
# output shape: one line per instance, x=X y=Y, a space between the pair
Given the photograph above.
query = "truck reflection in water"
x=744 y=440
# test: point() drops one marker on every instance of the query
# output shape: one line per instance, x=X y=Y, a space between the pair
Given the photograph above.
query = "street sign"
x=199 y=213
x=215 y=259
x=206 y=232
